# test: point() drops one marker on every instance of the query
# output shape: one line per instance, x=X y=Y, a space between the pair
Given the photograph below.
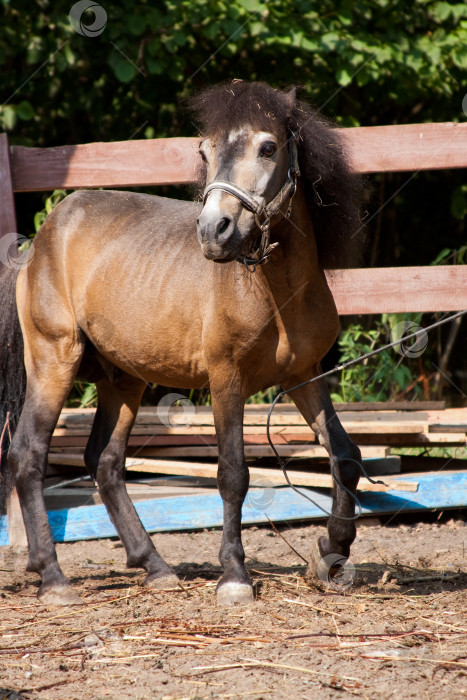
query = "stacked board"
x=182 y=441
x=188 y=432
x=174 y=444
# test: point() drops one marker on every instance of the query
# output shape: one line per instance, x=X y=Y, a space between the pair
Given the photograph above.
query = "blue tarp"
x=435 y=491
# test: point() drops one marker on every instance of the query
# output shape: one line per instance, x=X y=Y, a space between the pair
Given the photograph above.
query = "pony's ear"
x=291 y=98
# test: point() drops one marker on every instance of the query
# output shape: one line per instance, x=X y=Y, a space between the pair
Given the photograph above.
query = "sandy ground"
x=398 y=631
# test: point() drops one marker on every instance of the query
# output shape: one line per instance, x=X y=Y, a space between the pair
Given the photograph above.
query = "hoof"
x=232 y=593
x=162 y=582
x=334 y=571
x=58 y=595
x=317 y=571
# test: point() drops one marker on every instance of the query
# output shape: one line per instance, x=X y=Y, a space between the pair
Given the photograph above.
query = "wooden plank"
x=165 y=442
x=7 y=199
x=206 y=434
x=288 y=436
x=390 y=406
x=407 y=440
x=450 y=416
x=206 y=470
x=262 y=476
x=404 y=147
x=203 y=416
x=446 y=428
x=399 y=289
x=441 y=438
x=251 y=431
x=257 y=432
x=172 y=161
x=368 y=452
x=147 y=415
x=75 y=497
x=176 y=161
x=384 y=430
x=259 y=451
x=436 y=491
x=434 y=408
x=199 y=430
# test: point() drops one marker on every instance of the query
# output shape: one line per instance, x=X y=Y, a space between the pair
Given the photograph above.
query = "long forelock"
x=229 y=107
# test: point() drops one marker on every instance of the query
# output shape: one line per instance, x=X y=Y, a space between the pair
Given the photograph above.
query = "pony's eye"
x=203 y=157
x=267 y=150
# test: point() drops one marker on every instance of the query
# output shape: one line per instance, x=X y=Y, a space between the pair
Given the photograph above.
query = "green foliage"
x=454 y=257
x=379 y=378
x=459 y=203
x=393 y=59
x=50 y=203
x=83 y=395
x=266 y=396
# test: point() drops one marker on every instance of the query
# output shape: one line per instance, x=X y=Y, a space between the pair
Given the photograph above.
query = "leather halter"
x=256 y=205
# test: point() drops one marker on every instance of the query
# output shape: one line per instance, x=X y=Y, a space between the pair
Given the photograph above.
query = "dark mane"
x=333 y=192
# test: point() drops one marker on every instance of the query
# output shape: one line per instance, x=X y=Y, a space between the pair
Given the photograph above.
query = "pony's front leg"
x=232 y=480
x=315 y=405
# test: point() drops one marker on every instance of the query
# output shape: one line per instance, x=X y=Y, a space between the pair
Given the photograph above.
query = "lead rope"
x=339 y=368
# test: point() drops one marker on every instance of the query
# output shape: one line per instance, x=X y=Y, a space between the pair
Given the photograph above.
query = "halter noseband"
x=257 y=206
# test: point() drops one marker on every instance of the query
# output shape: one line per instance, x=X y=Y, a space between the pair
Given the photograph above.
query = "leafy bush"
x=379 y=378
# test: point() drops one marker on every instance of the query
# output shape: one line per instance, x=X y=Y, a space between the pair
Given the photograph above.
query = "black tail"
x=12 y=373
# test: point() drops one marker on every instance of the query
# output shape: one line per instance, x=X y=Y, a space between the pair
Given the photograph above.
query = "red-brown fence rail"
x=411 y=147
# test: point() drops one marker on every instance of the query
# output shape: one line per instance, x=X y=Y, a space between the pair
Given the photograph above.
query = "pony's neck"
x=296 y=257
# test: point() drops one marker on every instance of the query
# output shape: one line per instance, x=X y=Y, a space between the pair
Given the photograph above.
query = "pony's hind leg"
x=331 y=552
x=51 y=367
x=118 y=402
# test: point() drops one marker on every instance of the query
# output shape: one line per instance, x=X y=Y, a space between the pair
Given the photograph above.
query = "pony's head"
x=255 y=139
x=247 y=161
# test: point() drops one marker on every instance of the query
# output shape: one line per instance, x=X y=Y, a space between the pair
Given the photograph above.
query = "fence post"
x=7 y=198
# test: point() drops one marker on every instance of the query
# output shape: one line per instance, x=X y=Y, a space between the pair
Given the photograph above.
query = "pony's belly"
x=179 y=364
x=172 y=369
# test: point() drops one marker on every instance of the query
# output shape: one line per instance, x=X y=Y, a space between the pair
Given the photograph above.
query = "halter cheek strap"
x=263 y=211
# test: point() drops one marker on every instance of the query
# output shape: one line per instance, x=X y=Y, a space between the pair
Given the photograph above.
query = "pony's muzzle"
x=216 y=236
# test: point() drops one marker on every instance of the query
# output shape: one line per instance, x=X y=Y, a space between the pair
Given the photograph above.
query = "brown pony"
x=121 y=292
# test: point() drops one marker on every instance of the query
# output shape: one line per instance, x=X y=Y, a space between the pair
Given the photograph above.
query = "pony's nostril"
x=223 y=225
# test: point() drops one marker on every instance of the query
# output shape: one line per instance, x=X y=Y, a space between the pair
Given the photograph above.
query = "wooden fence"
x=412 y=147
